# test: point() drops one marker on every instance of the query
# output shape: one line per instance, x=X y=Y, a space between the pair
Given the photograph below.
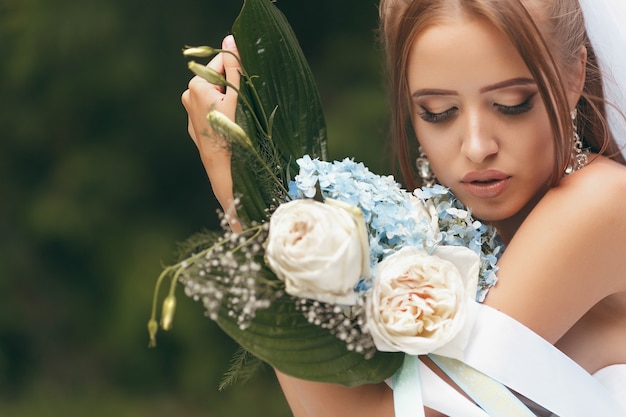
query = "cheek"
x=536 y=144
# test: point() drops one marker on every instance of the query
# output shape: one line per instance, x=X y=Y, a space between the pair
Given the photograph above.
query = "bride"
x=507 y=104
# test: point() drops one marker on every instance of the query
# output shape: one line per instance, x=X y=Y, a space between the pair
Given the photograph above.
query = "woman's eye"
x=431 y=117
x=518 y=109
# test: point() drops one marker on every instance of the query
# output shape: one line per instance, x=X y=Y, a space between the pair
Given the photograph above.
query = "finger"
x=232 y=71
x=217 y=64
x=184 y=98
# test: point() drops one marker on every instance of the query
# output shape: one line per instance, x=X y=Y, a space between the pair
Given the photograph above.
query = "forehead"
x=463 y=49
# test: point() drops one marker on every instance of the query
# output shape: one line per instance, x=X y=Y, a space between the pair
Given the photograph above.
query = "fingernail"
x=229 y=42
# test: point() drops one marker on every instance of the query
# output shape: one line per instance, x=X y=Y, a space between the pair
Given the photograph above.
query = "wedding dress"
x=613 y=377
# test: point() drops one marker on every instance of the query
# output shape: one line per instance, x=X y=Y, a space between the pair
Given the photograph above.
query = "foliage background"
x=98 y=180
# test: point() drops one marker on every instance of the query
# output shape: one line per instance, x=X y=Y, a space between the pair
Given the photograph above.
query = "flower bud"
x=199 y=51
x=167 y=313
x=153 y=327
x=208 y=74
x=227 y=128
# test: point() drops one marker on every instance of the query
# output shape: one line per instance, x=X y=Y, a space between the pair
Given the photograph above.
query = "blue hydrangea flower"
x=393 y=220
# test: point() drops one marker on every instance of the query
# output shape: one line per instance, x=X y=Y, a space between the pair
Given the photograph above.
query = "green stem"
x=157 y=287
x=181 y=266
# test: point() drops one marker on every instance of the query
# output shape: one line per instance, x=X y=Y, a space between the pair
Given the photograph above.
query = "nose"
x=479 y=141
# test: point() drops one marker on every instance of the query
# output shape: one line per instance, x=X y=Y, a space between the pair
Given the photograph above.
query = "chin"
x=493 y=214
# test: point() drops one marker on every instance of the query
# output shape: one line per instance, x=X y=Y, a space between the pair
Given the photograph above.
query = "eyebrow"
x=504 y=84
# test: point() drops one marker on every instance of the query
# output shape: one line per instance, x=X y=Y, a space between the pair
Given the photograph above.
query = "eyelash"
x=430 y=117
x=516 y=110
x=444 y=116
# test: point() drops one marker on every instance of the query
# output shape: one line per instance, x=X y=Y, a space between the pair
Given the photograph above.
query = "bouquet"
x=338 y=272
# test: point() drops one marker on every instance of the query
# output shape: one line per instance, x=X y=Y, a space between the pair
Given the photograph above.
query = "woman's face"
x=478 y=115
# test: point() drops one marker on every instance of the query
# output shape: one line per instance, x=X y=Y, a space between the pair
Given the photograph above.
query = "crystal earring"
x=423 y=169
x=579 y=157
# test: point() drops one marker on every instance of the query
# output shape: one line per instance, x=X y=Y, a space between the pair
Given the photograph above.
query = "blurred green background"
x=99 y=180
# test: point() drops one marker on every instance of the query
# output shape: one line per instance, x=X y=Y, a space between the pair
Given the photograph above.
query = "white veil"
x=605 y=21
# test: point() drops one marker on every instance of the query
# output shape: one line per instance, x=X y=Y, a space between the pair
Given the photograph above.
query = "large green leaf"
x=282 y=337
x=283 y=80
x=282 y=77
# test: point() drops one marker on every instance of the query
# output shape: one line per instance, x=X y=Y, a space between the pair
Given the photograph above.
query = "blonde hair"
x=548 y=35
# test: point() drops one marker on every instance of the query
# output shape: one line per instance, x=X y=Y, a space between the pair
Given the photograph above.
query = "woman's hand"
x=201 y=97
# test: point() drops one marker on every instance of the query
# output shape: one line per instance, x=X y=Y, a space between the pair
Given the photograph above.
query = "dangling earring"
x=423 y=169
x=579 y=156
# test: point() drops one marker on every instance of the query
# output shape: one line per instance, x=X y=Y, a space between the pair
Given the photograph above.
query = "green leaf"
x=282 y=337
x=282 y=77
x=282 y=83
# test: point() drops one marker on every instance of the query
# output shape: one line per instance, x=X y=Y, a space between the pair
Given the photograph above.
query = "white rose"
x=319 y=250
x=419 y=302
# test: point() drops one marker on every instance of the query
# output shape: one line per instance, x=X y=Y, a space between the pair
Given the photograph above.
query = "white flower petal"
x=318 y=250
x=418 y=302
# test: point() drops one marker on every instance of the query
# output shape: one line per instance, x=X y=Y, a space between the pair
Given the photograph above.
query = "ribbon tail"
x=490 y=395
x=407 y=389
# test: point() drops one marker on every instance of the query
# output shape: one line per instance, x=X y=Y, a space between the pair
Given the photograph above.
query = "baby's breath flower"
x=347 y=324
x=229 y=278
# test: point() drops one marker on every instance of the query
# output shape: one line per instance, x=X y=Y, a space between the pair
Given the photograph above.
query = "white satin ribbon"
x=407 y=389
x=509 y=352
x=489 y=394
x=492 y=397
x=437 y=395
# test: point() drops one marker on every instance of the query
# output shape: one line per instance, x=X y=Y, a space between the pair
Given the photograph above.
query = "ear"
x=579 y=72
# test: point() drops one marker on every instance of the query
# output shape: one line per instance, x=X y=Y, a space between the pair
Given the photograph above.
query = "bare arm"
x=313 y=399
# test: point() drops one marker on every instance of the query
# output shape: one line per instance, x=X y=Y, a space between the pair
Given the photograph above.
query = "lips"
x=486 y=184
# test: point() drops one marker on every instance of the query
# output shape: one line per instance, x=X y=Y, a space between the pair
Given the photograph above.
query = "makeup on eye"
x=432 y=117
x=517 y=109
x=436 y=113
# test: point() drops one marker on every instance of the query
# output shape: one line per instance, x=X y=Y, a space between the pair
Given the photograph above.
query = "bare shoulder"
x=603 y=181
x=593 y=201
x=593 y=198
x=569 y=252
